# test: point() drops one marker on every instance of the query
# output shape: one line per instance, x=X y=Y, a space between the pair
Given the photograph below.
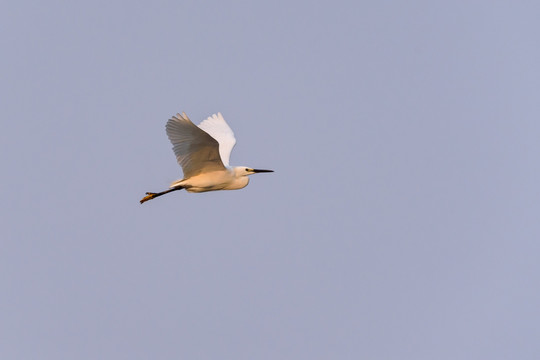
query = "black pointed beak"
x=261 y=171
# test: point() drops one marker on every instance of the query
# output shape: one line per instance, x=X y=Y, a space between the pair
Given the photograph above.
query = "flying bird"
x=203 y=152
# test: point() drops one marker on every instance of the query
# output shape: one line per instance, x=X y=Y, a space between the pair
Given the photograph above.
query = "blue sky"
x=401 y=221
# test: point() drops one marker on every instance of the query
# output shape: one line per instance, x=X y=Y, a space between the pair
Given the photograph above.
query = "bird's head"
x=245 y=171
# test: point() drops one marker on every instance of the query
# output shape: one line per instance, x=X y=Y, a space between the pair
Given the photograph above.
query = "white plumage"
x=217 y=128
x=203 y=152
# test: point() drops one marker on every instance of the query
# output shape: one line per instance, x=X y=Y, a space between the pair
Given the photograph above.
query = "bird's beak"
x=261 y=171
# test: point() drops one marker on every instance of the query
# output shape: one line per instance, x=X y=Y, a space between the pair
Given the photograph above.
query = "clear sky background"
x=401 y=222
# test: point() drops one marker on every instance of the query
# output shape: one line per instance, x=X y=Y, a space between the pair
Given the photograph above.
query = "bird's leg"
x=151 y=195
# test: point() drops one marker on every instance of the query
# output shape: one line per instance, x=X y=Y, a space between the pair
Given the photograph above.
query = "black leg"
x=151 y=195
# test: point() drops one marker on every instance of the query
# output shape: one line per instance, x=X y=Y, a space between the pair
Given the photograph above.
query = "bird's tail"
x=176 y=183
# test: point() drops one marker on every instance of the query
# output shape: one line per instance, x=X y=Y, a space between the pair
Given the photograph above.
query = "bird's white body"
x=228 y=179
x=203 y=152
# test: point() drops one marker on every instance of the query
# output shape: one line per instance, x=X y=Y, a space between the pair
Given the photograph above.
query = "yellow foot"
x=149 y=196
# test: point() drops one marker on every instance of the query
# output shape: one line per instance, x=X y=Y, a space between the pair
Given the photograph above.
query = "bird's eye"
x=247 y=169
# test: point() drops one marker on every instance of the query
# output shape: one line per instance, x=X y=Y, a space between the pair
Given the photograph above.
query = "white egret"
x=203 y=153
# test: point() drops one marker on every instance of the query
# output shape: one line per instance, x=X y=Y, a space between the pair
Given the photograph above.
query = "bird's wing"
x=195 y=150
x=216 y=126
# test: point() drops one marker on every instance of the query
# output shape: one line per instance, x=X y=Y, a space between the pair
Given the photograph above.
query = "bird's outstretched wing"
x=195 y=150
x=216 y=126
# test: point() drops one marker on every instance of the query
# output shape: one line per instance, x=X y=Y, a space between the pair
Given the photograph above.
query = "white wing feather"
x=216 y=127
x=196 y=151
